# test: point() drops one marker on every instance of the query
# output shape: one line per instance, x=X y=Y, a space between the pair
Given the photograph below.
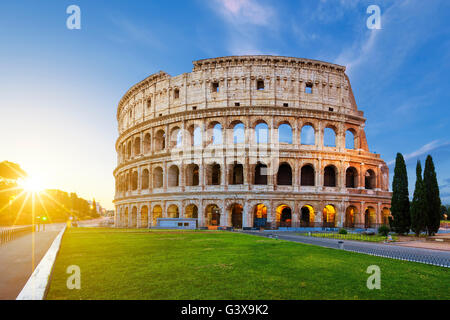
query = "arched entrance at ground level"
x=157 y=213
x=350 y=214
x=125 y=218
x=369 y=217
x=236 y=216
x=329 y=217
x=284 y=216
x=212 y=214
x=134 y=217
x=260 y=216
x=385 y=216
x=191 y=211
x=144 y=217
x=307 y=216
x=172 y=211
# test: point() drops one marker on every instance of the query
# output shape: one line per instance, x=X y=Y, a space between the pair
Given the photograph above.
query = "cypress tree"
x=419 y=204
x=400 y=197
x=432 y=197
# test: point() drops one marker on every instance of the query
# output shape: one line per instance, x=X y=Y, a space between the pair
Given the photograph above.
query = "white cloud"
x=248 y=22
x=433 y=145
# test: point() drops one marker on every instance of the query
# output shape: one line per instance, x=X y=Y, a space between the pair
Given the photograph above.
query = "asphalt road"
x=16 y=259
x=428 y=256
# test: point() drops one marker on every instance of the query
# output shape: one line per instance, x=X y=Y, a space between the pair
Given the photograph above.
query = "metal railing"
x=8 y=234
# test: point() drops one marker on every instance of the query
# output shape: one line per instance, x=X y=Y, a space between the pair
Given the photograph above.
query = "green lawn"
x=349 y=236
x=144 y=264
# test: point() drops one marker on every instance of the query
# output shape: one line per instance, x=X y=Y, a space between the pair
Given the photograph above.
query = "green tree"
x=419 y=204
x=400 y=197
x=432 y=196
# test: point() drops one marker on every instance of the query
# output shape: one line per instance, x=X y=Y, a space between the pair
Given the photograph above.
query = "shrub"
x=342 y=231
x=384 y=230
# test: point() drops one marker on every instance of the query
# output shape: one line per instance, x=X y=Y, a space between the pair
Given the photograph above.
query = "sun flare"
x=32 y=184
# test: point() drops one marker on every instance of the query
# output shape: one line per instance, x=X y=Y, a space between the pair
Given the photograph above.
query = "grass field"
x=349 y=236
x=146 y=264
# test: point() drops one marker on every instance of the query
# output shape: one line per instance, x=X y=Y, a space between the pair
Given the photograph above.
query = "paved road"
x=16 y=259
x=427 y=256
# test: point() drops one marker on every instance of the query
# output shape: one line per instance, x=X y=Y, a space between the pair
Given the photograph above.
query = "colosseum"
x=248 y=142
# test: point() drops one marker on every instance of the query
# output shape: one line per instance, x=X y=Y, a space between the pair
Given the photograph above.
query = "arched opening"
x=160 y=140
x=127 y=182
x=134 y=180
x=237 y=174
x=350 y=214
x=285 y=133
x=172 y=211
x=307 y=216
x=349 y=140
x=191 y=211
x=212 y=214
x=369 y=217
x=329 y=137
x=125 y=220
x=192 y=175
x=174 y=176
x=129 y=150
x=134 y=217
x=158 y=177
x=236 y=216
x=385 y=213
x=213 y=174
x=260 y=216
x=144 y=217
x=284 y=216
x=145 y=179
x=197 y=137
x=176 y=138
x=217 y=138
x=137 y=146
x=370 y=179
x=307 y=175
x=157 y=213
x=261 y=173
x=329 y=216
x=239 y=133
x=284 y=176
x=261 y=133
x=329 y=176
x=147 y=143
x=351 y=178
x=307 y=135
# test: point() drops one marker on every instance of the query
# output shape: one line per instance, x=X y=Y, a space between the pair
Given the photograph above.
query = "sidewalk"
x=16 y=259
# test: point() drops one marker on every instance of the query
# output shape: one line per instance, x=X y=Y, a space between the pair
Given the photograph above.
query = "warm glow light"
x=32 y=184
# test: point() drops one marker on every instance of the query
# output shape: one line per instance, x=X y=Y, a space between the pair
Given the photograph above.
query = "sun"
x=32 y=184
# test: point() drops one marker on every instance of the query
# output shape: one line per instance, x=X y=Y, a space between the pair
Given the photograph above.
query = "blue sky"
x=59 y=88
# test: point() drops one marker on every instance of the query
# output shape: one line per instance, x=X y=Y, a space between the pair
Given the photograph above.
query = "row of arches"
x=214 y=135
x=258 y=217
x=236 y=176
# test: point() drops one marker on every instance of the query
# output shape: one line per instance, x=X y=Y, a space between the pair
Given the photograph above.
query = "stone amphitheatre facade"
x=248 y=141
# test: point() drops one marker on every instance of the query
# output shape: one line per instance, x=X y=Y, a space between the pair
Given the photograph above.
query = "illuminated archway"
x=172 y=211
x=212 y=214
x=236 y=216
x=307 y=216
x=144 y=217
x=350 y=214
x=369 y=217
x=284 y=216
x=260 y=216
x=385 y=213
x=157 y=213
x=329 y=216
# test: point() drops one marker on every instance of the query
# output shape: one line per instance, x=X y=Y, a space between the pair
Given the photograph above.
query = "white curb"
x=36 y=286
